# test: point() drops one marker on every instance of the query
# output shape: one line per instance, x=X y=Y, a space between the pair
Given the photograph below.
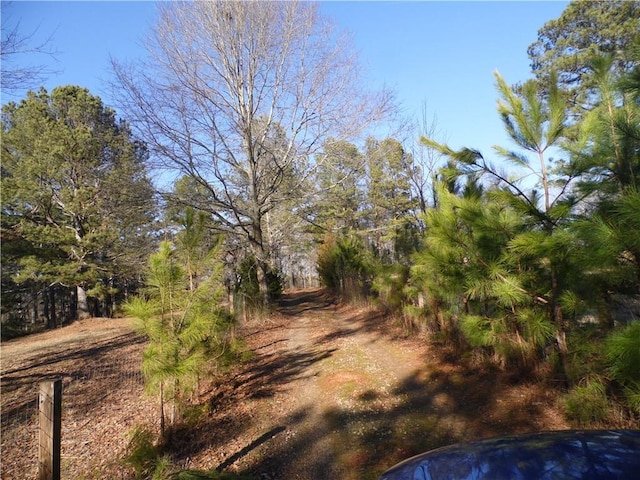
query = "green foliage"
x=194 y=244
x=571 y=302
x=607 y=264
x=142 y=309
x=606 y=148
x=77 y=205
x=533 y=122
x=514 y=262
x=567 y=44
x=249 y=286
x=471 y=272
x=344 y=266
x=145 y=457
x=517 y=250
x=186 y=328
x=480 y=331
x=338 y=203
x=440 y=265
x=388 y=200
x=515 y=340
x=607 y=155
x=622 y=351
x=389 y=284
x=536 y=329
x=585 y=353
x=587 y=402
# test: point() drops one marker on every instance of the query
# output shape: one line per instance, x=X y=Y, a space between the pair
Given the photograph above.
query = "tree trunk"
x=96 y=311
x=45 y=308
x=231 y=300
x=52 y=319
x=109 y=300
x=34 y=312
x=558 y=320
x=262 y=270
x=69 y=304
x=82 y=306
x=162 y=424
x=114 y=303
x=263 y=282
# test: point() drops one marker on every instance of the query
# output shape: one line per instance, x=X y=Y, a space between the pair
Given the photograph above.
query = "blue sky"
x=442 y=54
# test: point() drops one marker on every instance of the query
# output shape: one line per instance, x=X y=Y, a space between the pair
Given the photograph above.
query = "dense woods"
x=528 y=256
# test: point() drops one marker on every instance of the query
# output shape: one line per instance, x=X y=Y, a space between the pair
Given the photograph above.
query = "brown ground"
x=331 y=392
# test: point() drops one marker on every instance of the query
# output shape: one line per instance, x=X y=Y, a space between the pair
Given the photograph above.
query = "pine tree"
x=388 y=199
x=344 y=265
x=606 y=150
x=535 y=119
x=607 y=153
x=622 y=350
x=340 y=192
x=75 y=190
x=567 y=44
x=192 y=245
x=472 y=280
x=187 y=328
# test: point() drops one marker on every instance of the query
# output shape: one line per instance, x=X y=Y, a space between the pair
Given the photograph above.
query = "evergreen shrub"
x=145 y=457
x=587 y=402
x=622 y=351
x=344 y=266
x=249 y=287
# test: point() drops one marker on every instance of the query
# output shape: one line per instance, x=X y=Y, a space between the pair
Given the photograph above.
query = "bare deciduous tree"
x=239 y=96
x=426 y=161
x=16 y=44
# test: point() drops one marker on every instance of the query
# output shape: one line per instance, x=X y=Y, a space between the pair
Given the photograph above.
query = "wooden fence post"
x=50 y=416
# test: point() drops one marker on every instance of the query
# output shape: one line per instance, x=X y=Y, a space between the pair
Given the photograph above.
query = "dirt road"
x=338 y=392
x=330 y=391
x=342 y=391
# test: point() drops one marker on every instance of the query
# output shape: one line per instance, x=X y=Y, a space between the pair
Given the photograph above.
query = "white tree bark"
x=83 y=304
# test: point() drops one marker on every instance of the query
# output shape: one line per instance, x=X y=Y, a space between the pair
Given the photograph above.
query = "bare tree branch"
x=240 y=96
x=17 y=76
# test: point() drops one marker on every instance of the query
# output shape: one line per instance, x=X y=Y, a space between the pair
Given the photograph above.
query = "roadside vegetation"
x=526 y=258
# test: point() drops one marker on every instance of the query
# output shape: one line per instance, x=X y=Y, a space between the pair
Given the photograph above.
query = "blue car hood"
x=575 y=454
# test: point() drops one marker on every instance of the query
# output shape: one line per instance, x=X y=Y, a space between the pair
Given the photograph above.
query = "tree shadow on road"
x=230 y=406
x=446 y=401
x=296 y=303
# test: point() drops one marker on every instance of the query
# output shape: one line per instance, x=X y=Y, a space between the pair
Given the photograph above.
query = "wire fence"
x=102 y=402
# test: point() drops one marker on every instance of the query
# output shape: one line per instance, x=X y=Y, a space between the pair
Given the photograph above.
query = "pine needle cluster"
x=479 y=280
